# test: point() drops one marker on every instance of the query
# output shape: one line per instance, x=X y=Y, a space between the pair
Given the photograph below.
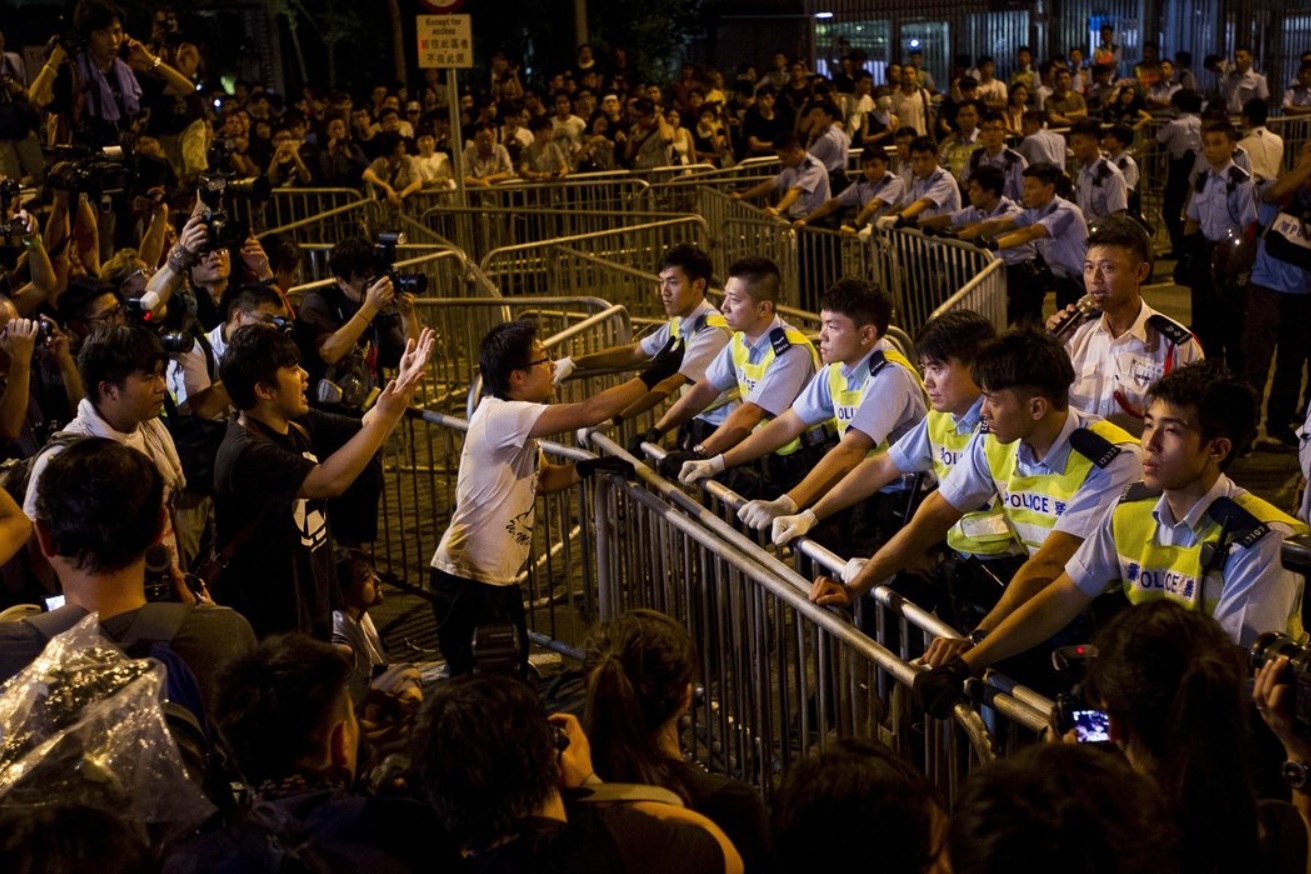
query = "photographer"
x=39 y=379
x=96 y=92
x=352 y=330
x=20 y=153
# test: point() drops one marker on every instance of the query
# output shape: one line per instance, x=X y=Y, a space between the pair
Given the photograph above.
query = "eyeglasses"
x=531 y=364
x=112 y=314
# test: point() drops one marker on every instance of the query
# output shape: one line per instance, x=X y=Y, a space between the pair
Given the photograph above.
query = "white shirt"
x=1128 y=364
x=491 y=530
x=1266 y=150
x=188 y=373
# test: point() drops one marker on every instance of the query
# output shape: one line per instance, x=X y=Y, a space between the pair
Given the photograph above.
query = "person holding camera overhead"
x=1185 y=533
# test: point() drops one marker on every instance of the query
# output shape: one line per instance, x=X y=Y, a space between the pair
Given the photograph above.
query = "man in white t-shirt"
x=475 y=571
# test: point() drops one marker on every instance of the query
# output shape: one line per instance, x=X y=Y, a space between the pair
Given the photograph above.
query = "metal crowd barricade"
x=568 y=265
x=286 y=206
x=985 y=294
x=449 y=271
x=336 y=223
x=782 y=678
x=924 y=273
x=740 y=230
x=479 y=230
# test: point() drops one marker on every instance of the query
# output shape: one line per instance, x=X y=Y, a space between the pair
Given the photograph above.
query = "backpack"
x=16 y=474
x=150 y=636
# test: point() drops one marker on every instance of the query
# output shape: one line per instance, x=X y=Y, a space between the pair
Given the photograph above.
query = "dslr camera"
x=98 y=173
x=218 y=189
x=176 y=341
x=384 y=250
x=1272 y=645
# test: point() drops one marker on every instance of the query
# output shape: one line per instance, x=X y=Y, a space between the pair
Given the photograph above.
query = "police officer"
x=995 y=153
x=1024 y=291
x=1055 y=225
x=1100 y=189
x=1052 y=468
x=933 y=190
x=867 y=388
x=1185 y=532
x=1182 y=138
x=767 y=360
x=1223 y=201
x=1128 y=346
x=684 y=272
x=947 y=347
x=877 y=191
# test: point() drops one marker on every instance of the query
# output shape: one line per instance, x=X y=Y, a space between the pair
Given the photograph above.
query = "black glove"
x=936 y=691
x=666 y=363
x=605 y=464
x=651 y=435
x=929 y=231
x=672 y=464
x=903 y=222
x=990 y=245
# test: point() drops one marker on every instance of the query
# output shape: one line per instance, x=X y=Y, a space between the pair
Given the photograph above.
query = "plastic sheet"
x=83 y=723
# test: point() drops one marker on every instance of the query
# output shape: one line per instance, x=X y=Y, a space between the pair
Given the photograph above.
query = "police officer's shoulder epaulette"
x=778 y=338
x=1102 y=173
x=976 y=158
x=1244 y=528
x=1094 y=447
x=1139 y=491
x=699 y=323
x=877 y=362
x=1122 y=162
x=1238 y=174
x=1010 y=156
x=1169 y=329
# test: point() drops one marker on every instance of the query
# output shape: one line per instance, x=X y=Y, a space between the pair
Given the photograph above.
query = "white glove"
x=789 y=528
x=852 y=568
x=885 y=222
x=699 y=470
x=563 y=367
x=865 y=233
x=758 y=514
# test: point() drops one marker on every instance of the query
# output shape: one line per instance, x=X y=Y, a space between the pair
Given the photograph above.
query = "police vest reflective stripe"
x=979 y=532
x=712 y=320
x=749 y=375
x=1150 y=571
x=847 y=400
x=1034 y=502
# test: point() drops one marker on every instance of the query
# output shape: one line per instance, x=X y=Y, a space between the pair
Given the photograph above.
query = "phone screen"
x=54 y=602
x=1092 y=726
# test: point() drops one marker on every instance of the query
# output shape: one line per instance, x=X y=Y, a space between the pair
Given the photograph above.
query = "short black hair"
x=1122 y=233
x=861 y=300
x=254 y=356
x=873 y=154
x=1225 y=405
x=91 y=15
x=386 y=143
x=275 y=704
x=1087 y=127
x=1221 y=126
x=1029 y=361
x=506 y=348
x=828 y=106
x=761 y=275
x=990 y=178
x=922 y=145
x=786 y=140
x=282 y=250
x=984 y=59
x=691 y=259
x=112 y=355
x=1037 y=116
x=766 y=90
x=957 y=334
x=856 y=788
x=1044 y=172
x=100 y=503
x=353 y=256
x=76 y=302
x=1052 y=803
x=1122 y=133
x=485 y=756
x=1187 y=100
x=540 y=122
x=905 y=131
x=1256 y=111
x=249 y=297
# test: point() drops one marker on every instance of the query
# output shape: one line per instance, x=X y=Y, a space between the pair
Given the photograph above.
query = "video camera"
x=385 y=253
x=218 y=188
x=98 y=173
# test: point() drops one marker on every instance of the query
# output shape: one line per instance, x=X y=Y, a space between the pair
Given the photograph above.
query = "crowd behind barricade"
x=196 y=462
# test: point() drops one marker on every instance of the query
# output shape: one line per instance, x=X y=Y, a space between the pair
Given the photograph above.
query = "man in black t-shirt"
x=271 y=490
x=764 y=122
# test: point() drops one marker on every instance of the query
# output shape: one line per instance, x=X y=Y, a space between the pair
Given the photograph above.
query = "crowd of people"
x=194 y=458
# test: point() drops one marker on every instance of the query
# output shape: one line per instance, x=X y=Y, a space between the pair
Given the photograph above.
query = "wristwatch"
x=1295 y=774
x=699 y=450
x=977 y=635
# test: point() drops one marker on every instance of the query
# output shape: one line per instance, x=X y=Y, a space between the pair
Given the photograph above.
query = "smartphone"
x=54 y=602
x=1092 y=726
